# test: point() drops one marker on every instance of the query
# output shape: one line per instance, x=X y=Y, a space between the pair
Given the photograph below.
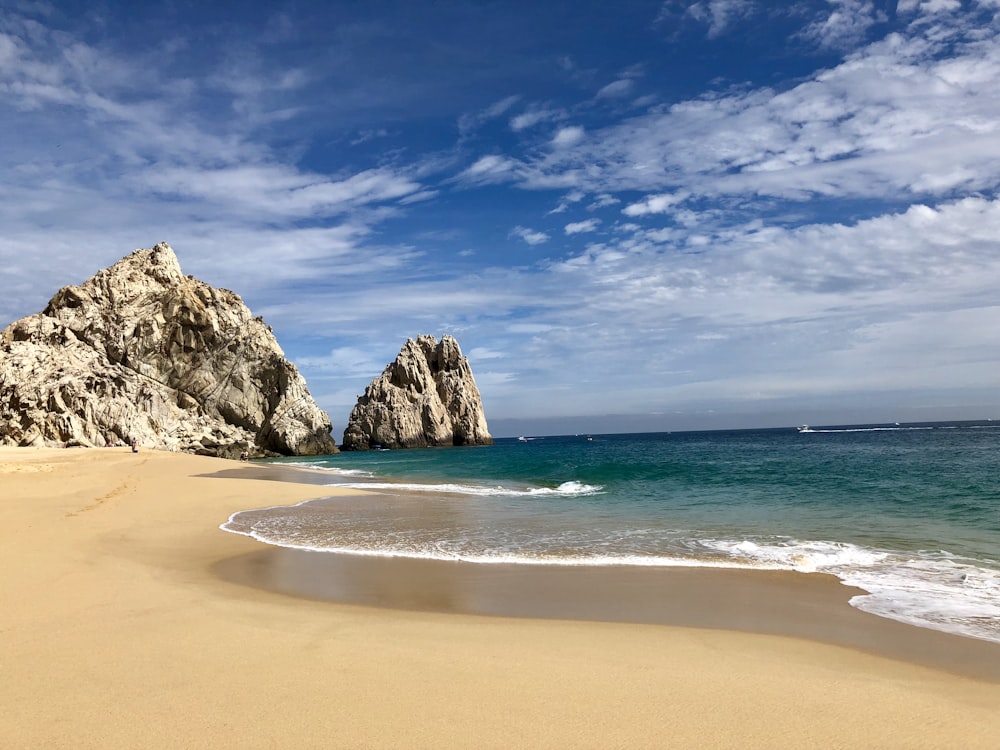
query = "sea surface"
x=910 y=513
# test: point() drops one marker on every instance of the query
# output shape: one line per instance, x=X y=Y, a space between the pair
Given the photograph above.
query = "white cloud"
x=529 y=235
x=10 y=51
x=616 y=89
x=481 y=353
x=807 y=297
x=580 y=227
x=846 y=24
x=369 y=134
x=423 y=195
x=488 y=168
x=929 y=6
x=568 y=136
x=653 y=204
x=276 y=190
x=470 y=122
x=533 y=117
x=910 y=115
x=571 y=198
x=346 y=361
x=490 y=380
x=603 y=200
x=720 y=15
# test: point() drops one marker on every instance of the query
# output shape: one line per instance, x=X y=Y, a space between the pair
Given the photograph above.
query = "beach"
x=130 y=619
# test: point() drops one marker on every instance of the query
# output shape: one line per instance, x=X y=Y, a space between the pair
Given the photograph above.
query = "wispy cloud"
x=530 y=236
x=345 y=360
x=930 y=6
x=581 y=227
x=276 y=190
x=719 y=15
x=846 y=25
x=534 y=116
x=490 y=168
x=568 y=136
x=654 y=204
x=470 y=122
x=855 y=130
x=616 y=89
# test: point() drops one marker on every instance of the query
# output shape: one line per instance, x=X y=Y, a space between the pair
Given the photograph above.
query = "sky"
x=633 y=216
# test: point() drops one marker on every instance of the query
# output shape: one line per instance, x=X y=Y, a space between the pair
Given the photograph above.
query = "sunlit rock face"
x=142 y=351
x=426 y=397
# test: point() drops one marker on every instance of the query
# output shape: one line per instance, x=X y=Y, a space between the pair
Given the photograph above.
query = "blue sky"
x=632 y=215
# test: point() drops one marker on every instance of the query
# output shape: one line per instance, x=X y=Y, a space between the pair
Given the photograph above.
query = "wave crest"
x=568 y=489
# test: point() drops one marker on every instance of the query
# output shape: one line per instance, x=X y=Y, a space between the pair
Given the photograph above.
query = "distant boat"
x=589 y=437
x=805 y=428
x=522 y=439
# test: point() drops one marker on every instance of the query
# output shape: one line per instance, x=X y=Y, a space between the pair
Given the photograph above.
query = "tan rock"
x=142 y=351
x=426 y=397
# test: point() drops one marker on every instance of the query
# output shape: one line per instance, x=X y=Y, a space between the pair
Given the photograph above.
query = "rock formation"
x=142 y=351
x=426 y=397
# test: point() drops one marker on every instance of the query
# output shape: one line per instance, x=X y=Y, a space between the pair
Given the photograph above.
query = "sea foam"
x=932 y=590
x=569 y=489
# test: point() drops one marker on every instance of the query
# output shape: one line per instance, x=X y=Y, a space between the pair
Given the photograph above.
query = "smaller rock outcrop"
x=426 y=397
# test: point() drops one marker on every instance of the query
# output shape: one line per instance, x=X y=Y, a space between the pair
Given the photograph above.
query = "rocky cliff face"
x=426 y=397
x=142 y=351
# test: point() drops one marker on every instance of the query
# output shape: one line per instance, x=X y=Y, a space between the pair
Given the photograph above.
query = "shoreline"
x=127 y=630
x=812 y=605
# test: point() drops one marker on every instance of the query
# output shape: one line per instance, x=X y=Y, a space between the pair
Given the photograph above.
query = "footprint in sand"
x=116 y=492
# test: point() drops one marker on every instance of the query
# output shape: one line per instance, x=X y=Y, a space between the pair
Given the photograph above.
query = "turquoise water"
x=909 y=513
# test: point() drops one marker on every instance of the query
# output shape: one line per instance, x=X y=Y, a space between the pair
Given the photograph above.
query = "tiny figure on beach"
x=135 y=445
x=245 y=455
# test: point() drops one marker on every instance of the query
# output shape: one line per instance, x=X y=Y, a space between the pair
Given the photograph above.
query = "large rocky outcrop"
x=142 y=351
x=426 y=397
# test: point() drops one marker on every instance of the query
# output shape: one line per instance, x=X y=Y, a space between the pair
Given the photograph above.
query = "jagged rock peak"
x=142 y=351
x=426 y=397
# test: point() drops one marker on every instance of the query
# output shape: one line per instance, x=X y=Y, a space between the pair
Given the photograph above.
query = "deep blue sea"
x=909 y=513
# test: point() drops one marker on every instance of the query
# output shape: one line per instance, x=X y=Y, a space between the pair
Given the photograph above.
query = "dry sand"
x=119 y=628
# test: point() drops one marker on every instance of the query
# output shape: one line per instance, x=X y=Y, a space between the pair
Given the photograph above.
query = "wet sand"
x=801 y=605
x=129 y=619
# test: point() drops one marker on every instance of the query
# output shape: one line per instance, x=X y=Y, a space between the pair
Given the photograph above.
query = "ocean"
x=909 y=513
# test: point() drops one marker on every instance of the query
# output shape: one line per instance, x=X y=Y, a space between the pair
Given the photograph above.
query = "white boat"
x=522 y=439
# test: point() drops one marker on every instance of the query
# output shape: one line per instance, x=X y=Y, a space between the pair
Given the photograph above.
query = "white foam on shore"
x=569 y=489
x=948 y=596
x=928 y=589
x=804 y=557
x=442 y=554
x=331 y=469
x=931 y=590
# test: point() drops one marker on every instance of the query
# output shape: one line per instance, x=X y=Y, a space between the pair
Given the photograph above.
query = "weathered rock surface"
x=142 y=351
x=426 y=397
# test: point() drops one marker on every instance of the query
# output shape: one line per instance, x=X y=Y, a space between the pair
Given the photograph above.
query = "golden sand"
x=116 y=631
